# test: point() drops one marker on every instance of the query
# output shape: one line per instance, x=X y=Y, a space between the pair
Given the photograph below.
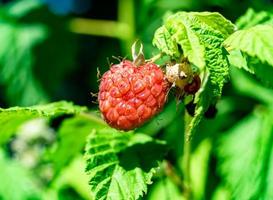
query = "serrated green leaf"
x=252 y=18
x=216 y=21
x=73 y=132
x=255 y=41
x=237 y=59
x=183 y=26
x=201 y=36
x=12 y=118
x=16 y=182
x=245 y=152
x=257 y=44
x=120 y=165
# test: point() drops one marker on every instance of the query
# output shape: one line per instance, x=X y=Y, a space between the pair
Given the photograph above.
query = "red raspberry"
x=130 y=95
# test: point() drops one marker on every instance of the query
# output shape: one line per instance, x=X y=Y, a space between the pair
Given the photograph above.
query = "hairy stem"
x=187 y=158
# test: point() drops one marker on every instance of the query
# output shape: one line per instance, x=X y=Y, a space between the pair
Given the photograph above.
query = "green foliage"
x=246 y=156
x=16 y=55
x=12 y=118
x=255 y=44
x=200 y=36
x=252 y=18
x=17 y=183
x=230 y=157
x=164 y=41
x=120 y=165
x=261 y=45
x=80 y=126
x=28 y=40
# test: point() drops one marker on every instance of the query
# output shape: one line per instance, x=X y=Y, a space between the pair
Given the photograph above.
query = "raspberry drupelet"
x=129 y=95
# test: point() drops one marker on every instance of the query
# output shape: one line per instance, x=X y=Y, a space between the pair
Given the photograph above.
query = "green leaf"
x=252 y=18
x=120 y=165
x=12 y=118
x=246 y=155
x=237 y=59
x=73 y=132
x=255 y=41
x=163 y=39
x=16 y=182
x=200 y=36
x=182 y=33
x=216 y=21
x=262 y=71
x=183 y=28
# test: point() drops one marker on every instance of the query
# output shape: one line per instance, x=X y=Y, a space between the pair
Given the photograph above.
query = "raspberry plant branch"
x=187 y=156
x=124 y=27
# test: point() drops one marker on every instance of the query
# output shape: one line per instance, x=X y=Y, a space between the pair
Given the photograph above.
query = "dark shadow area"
x=145 y=156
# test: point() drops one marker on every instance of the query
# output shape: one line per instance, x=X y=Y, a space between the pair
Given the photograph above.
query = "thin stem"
x=154 y=58
x=101 y=28
x=187 y=158
x=126 y=15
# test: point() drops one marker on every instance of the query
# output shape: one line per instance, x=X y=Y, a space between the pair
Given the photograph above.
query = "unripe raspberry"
x=129 y=95
x=194 y=86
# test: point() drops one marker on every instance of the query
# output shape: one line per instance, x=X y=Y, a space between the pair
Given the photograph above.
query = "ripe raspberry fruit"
x=129 y=95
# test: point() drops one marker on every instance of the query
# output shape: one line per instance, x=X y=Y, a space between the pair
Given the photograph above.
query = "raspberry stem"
x=186 y=157
x=154 y=58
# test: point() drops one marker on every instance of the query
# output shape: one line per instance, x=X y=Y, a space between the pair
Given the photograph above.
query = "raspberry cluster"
x=129 y=95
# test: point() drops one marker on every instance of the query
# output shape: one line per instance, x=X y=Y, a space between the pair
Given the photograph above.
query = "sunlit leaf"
x=120 y=165
x=255 y=41
x=12 y=118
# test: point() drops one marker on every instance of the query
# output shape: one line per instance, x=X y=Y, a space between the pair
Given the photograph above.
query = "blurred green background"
x=51 y=50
